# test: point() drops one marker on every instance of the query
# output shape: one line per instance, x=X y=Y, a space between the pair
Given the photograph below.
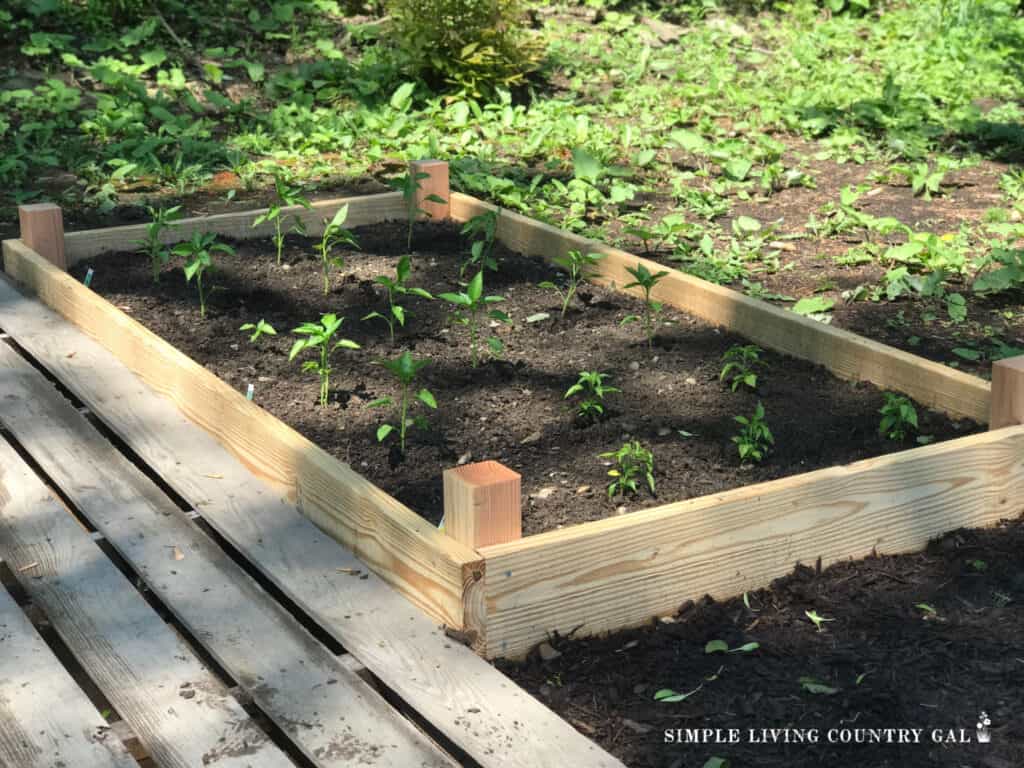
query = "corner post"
x=482 y=504
x=435 y=183
x=1007 y=408
x=42 y=230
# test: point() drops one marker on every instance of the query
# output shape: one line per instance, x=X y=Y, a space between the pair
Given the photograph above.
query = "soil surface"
x=926 y=641
x=510 y=410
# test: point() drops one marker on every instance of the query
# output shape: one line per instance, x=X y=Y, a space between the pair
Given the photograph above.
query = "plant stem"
x=202 y=297
x=405 y=410
x=278 y=238
x=324 y=375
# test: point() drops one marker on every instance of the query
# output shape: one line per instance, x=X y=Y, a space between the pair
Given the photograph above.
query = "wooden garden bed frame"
x=598 y=576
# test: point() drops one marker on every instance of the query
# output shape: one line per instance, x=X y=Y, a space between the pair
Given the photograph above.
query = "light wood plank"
x=469 y=701
x=45 y=718
x=398 y=544
x=363 y=209
x=846 y=354
x=1007 y=393
x=331 y=714
x=137 y=661
x=621 y=571
x=42 y=230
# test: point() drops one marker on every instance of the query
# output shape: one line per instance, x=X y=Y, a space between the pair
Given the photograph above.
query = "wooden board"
x=622 y=571
x=137 y=661
x=45 y=718
x=364 y=209
x=333 y=716
x=431 y=569
x=846 y=354
x=474 y=705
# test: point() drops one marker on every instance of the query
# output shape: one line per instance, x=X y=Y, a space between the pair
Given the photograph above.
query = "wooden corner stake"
x=42 y=230
x=482 y=504
x=1007 y=407
x=437 y=183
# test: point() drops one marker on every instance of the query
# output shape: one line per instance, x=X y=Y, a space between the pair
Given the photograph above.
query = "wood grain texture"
x=42 y=230
x=364 y=209
x=137 y=661
x=46 y=720
x=398 y=544
x=328 y=711
x=1007 y=393
x=479 y=709
x=846 y=354
x=483 y=504
x=622 y=571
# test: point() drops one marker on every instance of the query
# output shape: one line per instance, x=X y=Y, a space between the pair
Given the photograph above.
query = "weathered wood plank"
x=409 y=553
x=846 y=354
x=331 y=714
x=622 y=571
x=137 y=661
x=45 y=718
x=469 y=701
x=364 y=209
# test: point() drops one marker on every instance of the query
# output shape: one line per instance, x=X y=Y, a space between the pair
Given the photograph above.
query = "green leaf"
x=668 y=696
x=380 y=402
x=427 y=398
x=811 y=685
x=401 y=99
x=688 y=141
x=537 y=317
x=966 y=353
x=813 y=305
x=476 y=287
x=383 y=431
x=585 y=166
x=716 y=646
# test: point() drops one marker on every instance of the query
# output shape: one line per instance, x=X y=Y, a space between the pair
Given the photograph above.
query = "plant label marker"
x=1007 y=407
x=482 y=504
x=437 y=183
x=249 y=392
x=88 y=278
x=42 y=230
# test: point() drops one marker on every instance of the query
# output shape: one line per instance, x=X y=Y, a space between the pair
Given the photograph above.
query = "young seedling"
x=152 y=244
x=740 y=363
x=592 y=389
x=334 y=233
x=319 y=337
x=816 y=620
x=287 y=195
x=405 y=368
x=408 y=185
x=579 y=268
x=259 y=329
x=720 y=646
x=633 y=463
x=198 y=254
x=469 y=311
x=899 y=417
x=481 y=251
x=397 y=287
x=644 y=279
x=755 y=439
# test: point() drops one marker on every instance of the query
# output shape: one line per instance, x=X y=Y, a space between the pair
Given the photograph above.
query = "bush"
x=474 y=45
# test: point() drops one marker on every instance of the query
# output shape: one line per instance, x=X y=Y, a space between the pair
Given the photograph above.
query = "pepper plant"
x=740 y=366
x=644 y=279
x=469 y=311
x=152 y=244
x=198 y=254
x=755 y=439
x=481 y=251
x=334 y=233
x=408 y=185
x=592 y=389
x=258 y=329
x=319 y=337
x=397 y=287
x=633 y=463
x=405 y=368
x=579 y=267
x=899 y=417
x=287 y=195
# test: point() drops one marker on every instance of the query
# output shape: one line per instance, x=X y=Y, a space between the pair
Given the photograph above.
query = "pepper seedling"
x=397 y=287
x=644 y=279
x=152 y=244
x=469 y=311
x=259 y=329
x=318 y=337
x=405 y=368
x=592 y=388
x=334 y=233
x=408 y=185
x=481 y=251
x=287 y=195
x=579 y=268
x=198 y=254
x=633 y=462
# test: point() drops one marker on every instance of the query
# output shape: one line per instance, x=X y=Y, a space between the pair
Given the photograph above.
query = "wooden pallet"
x=613 y=573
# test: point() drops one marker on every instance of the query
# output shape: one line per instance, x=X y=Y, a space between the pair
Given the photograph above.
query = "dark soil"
x=510 y=410
x=916 y=668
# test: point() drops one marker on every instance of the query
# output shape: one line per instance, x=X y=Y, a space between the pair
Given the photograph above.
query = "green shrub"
x=474 y=45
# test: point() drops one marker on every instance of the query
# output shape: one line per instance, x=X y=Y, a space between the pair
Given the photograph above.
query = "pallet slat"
x=45 y=718
x=479 y=709
x=431 y=569
x=846 y=354
x=330 y=713
x=136 y=660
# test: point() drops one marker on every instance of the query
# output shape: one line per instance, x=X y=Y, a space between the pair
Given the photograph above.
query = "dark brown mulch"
x=888 y=661
x=511 y=410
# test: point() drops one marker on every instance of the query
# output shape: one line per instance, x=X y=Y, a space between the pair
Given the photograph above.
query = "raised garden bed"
x=599 y=575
